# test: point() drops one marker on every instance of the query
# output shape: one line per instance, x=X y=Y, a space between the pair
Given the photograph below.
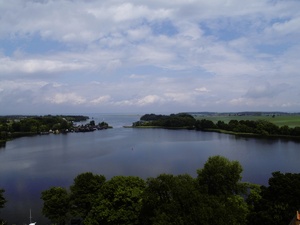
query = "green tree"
x=56 y=205
x=84 y=190
x=204 y=124
x=266 y=128
x=119 y=202
x=285 y=130
x=220 y=180
x=220 y=177
x=295 y=131
x=170 y=199
x=279 y=201
x=222 y=125
x=254 y=195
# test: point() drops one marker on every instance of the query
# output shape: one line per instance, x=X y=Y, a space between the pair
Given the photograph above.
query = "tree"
x=56 y=205
x=170 y=199
x=103 y=124
x=222 y=125
x=265 y=127
x=119 y=202
x=204 y=124
x=220 y=180
x=279 y=201
x=85 y=189
x=220 y=176
x=2 y=199
x=285 y=130
x=295 y=131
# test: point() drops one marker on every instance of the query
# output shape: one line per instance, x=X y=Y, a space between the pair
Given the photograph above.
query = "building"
x=296 y=219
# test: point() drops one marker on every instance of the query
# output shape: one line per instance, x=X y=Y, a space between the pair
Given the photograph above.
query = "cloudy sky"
x=68 y=56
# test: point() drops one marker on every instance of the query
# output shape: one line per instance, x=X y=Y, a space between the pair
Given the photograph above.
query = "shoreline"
x=237 y=134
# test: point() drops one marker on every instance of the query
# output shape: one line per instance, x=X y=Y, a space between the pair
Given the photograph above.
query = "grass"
x=281 y=120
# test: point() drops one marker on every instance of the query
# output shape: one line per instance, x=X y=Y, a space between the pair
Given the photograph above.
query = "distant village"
x=90 y=127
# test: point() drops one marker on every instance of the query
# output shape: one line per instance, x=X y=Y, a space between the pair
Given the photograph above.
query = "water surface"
x=30 y=165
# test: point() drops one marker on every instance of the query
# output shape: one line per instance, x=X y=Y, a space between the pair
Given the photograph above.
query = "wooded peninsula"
x=260 y=128
x=19 y=126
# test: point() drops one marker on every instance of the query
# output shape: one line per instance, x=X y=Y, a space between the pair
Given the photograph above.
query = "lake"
x=30 y=165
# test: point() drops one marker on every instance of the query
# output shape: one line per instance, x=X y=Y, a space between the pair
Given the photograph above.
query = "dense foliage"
x=172 y=121
x=2 y=201
x=279 y=201
x=17 y=126
x=215 y=196
x=56 y=204
x=259 y=127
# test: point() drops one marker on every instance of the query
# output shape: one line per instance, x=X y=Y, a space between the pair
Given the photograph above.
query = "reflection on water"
x=30 y=165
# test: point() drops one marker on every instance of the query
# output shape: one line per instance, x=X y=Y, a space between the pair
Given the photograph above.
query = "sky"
x=149 y=56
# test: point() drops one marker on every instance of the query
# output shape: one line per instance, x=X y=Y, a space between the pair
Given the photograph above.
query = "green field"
x=280 y=120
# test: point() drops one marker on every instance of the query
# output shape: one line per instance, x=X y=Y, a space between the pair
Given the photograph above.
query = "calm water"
x=30 y=165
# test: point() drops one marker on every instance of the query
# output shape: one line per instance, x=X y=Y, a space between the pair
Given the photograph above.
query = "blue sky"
x=156 y=56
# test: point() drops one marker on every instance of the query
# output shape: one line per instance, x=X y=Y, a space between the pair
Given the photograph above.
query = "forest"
x=216 y=196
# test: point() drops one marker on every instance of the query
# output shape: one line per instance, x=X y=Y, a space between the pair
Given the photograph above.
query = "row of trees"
x=260 y=127
x=185 y=120
x=215 y=196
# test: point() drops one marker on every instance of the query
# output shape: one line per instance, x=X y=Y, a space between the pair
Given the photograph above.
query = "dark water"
x=30 y=165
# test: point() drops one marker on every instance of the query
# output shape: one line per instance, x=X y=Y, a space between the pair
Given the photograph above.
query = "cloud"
x=8 y=65
x=196 y=55
x=101 y=99
x=69 y=98
x=201 y=90
x=143 y=101
x=265 y=90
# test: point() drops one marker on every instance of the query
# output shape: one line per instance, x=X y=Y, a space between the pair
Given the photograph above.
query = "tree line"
x=17 y=126
x=247 y=127
x=215 y=196
x=258 y=127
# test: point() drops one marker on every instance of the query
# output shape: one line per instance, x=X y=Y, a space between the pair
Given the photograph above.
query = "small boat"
x=31 y=223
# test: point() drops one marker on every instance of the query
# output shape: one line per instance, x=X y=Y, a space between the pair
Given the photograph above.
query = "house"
x=296 y=219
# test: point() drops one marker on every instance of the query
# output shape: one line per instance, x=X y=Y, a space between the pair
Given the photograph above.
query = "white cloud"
x=201 y=89
x=140 y=102
x=36 y=65
x=101 y=99
x=287 y=27
x=149 y=99
x=68 y=98
x=179 y=53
